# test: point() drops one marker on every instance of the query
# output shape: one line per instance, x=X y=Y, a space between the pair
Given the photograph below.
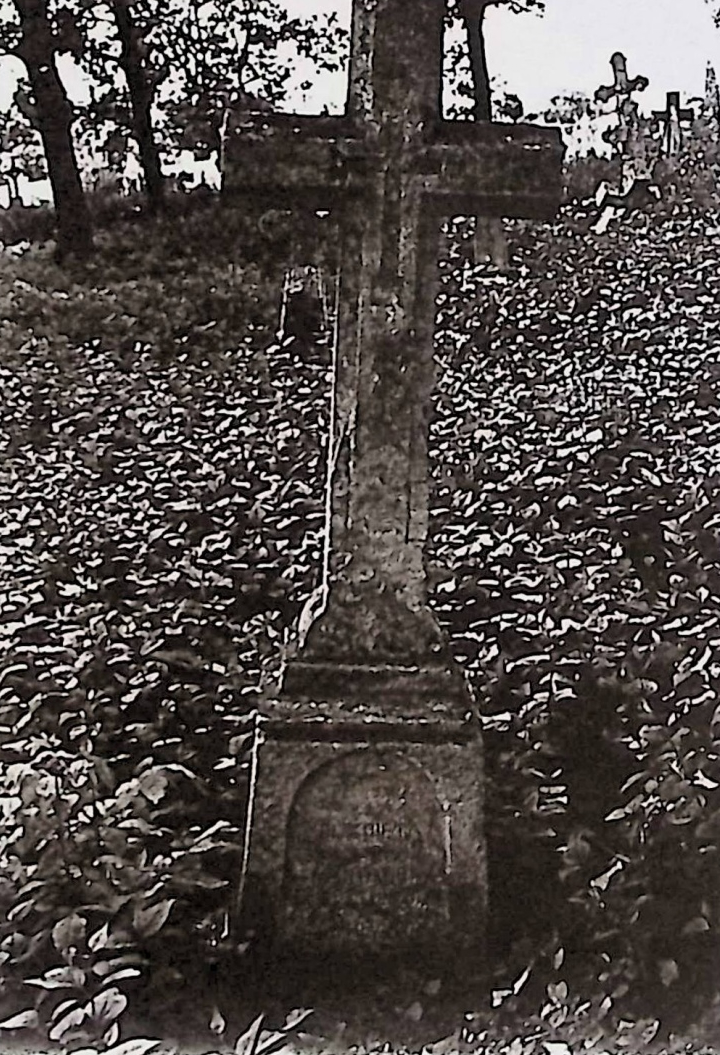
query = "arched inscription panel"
x=365 y=863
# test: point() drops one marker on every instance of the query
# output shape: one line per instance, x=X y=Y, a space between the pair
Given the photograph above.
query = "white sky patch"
x=568 y=48
x=668 y=41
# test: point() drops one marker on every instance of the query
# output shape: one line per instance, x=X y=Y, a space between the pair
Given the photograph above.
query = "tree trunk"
x=12 y=182
x=473 y=13
x=53 y=118
x=141 y=96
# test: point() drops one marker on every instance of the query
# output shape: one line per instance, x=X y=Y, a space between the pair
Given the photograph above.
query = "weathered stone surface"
x=391 y=168
x=368 y=820
x=284 y=160
x=372 y=847
x=373 y=868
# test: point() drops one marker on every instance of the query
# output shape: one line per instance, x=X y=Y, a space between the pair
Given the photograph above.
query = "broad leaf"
x=22 y=1020
x=107 y=1006
x=69 y=932
x=148 y=921
x=138 y=1046
x=247 y=1043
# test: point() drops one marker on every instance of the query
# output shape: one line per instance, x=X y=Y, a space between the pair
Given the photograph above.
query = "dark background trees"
x=37 y=36
x=157 y=78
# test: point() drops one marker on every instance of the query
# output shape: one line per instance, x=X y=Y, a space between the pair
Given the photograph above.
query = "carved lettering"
x=381 y=830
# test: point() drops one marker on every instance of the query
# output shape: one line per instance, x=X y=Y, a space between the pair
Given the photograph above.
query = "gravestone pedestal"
x=368 y=838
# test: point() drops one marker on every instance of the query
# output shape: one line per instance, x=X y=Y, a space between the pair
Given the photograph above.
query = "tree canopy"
x=158 y=76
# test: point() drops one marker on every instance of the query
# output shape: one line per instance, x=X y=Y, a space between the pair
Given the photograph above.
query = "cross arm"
x=477 y=168
x=463 y=167
x=289 y=160
x=682 y=114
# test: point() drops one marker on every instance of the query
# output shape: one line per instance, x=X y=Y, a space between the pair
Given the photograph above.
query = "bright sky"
x=669 y=41
x=569 y=47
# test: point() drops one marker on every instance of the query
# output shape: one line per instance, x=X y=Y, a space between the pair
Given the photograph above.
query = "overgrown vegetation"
x=577 y=508
x=161 y=525
x=153 y=475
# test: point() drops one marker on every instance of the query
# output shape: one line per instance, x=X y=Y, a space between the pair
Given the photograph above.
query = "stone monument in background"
x=630 y=143
x=671 y=121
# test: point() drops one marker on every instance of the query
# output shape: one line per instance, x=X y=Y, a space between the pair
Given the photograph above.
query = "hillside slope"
x=161 y=522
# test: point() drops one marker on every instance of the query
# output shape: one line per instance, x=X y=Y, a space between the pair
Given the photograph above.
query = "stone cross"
x=393 y=169
x=629 y=142
x=672 y=117
x=371 y=696
x=623 y=86
x=626 y=136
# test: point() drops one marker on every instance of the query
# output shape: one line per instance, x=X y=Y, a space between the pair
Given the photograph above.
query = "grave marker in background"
x=629 y=141
x=626 y=136
x=672 y=117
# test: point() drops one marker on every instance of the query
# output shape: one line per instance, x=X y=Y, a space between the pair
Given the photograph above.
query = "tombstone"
x=672 y=117
x=366 y=832
x=382 y=840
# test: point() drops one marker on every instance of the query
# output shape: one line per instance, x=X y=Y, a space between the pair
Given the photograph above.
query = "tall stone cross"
x=368 y=822
x=672 y=117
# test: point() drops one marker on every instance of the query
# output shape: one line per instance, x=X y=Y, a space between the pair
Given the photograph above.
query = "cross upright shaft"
x=393 y=168
x=383 y=371
x=395 y=63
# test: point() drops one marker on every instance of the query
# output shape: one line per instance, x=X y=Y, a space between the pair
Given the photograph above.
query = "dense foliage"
x=160 y=527
x=142 y=553
x=577 y=508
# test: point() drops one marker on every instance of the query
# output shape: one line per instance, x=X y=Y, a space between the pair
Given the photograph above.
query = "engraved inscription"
x=365 y=856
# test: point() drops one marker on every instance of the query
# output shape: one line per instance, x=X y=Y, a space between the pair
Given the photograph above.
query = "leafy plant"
x=575 y=507
x=94 y=873
x=163 y=462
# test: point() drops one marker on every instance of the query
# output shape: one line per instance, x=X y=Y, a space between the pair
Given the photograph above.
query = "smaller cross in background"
x=672 y=117
x=629 y=142
x=623 y=86
x=626 y=135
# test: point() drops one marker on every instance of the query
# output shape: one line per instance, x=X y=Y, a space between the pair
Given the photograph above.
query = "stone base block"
x=367 y=841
